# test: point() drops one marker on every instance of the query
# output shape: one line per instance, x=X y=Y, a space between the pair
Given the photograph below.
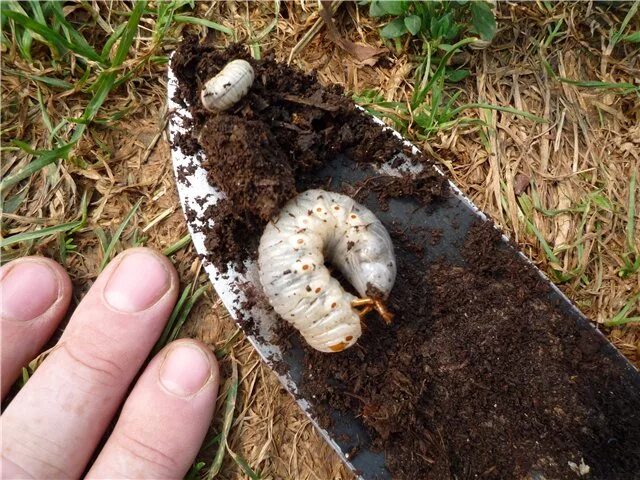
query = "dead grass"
x=572 y=219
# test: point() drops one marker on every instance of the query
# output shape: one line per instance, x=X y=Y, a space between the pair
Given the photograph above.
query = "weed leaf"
x=483 y=20
x=392 y=7
x=375 y=10
x=395 y=29
x=413 y=24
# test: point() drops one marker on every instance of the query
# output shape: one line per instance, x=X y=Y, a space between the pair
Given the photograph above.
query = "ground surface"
x=580 y=165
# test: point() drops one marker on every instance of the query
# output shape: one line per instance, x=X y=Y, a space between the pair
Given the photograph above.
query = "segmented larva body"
x=313 y=227
x=227 y=87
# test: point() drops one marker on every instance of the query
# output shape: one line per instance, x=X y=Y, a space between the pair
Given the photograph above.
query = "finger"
x=54 y=424
x=165 y=419
x=34 y=296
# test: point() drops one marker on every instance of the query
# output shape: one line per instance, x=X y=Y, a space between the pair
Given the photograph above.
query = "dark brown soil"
x=482 y=374
x=284 y=130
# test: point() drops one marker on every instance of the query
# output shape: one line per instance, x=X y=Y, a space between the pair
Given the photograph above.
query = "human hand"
x=55 y=423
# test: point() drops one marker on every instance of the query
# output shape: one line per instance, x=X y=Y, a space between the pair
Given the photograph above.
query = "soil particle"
x=435 y=235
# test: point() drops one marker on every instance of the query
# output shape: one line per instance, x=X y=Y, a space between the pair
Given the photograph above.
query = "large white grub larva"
x=313 y=227
x=227 y=87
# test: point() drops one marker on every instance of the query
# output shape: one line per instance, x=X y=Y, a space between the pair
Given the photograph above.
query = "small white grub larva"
x=313 y=227
x=227 y=87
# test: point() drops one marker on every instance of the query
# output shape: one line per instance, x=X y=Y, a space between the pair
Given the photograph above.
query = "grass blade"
x=116 y=236
x=12 y=204
x=113 y=38
x=242 y=463
x=631 y=257
x=621 y=317
x=77 y=39
x=194 y=471
x=52 y=82
x=615 y=38
x=422 y=91
x=203 y=22
x=625 y=87
x=164 y=338
x=43 y=232
x=229 y=408
x=42 y=161
x=224 y=350
x=102 y=239
x=623 y=321
x=130 y=32
x=60 y=43
x=179 y=245
x=185 y=312
x=69 y=227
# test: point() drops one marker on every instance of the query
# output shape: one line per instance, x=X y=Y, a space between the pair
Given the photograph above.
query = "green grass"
x=227 y=420
x=109 y=248
x=68 y=228
x=622 y=317
x=618 y=34
x=44 y=23
x=177 y=246
x=179 y=315
x=593 y=204
x=631 y=257
x=80 y=48
x=87 y=58
x=434 y=104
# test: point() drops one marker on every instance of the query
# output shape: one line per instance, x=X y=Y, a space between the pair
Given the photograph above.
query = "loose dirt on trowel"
x=480 y=375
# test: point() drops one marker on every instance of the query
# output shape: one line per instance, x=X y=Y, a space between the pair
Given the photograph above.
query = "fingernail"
x=28 y=290
x=138 y=282
x=185 y=370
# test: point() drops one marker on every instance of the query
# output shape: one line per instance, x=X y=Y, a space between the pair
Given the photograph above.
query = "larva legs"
x=370 y=304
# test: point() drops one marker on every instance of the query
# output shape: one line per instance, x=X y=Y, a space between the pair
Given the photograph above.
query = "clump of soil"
x=246 y=162
x=283 y=131
x=481 y=374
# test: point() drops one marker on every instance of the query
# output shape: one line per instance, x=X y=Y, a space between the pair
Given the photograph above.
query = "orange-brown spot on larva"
x=336 y=207
x=300 y=240
x=353 y=216
x=334 y=305
x=305 y=267
x=318 y=290
x=318 y=209
x=338 y=347
x=349 y=338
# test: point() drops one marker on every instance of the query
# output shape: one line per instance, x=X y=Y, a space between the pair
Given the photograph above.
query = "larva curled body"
x=313 y=227
x=227 y=87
